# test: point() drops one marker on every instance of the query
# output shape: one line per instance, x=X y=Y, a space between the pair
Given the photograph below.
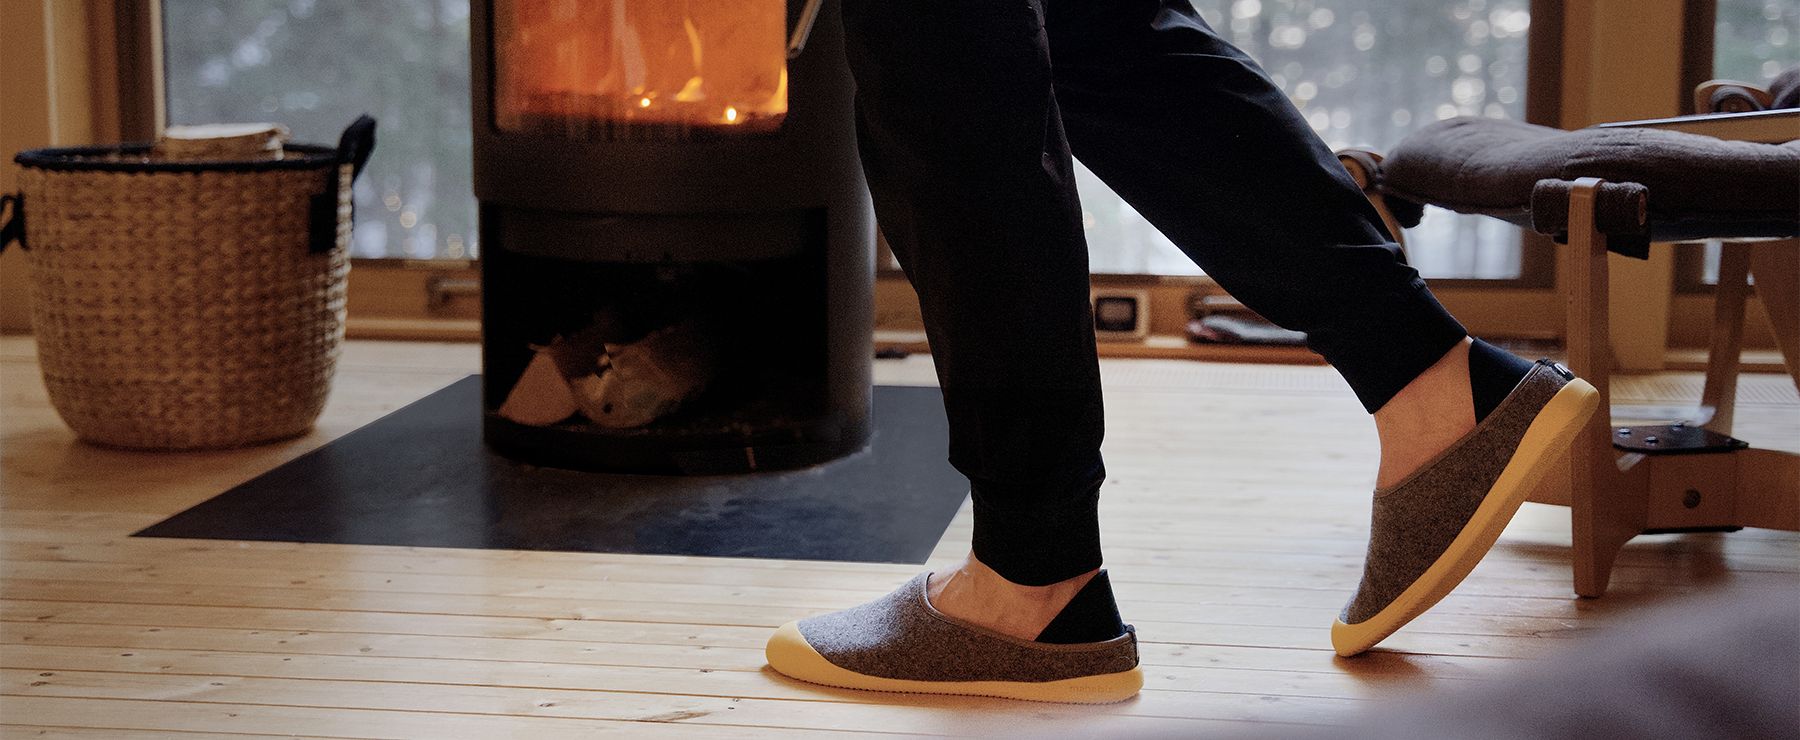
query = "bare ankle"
x=975 y=593
x=1426 y=416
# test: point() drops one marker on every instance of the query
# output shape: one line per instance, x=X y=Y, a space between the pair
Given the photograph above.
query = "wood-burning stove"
x=677 y=246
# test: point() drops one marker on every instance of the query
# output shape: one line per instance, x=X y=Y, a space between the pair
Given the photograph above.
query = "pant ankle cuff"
x=1042 y=545
x=1385 y=352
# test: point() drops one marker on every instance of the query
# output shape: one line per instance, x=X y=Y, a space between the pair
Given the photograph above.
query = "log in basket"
x=182 y=304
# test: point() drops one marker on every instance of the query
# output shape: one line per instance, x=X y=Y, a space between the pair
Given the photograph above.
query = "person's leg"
x=973 y=187
x=1191 y=132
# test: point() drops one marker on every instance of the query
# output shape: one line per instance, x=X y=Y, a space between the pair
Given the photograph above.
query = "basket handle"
x=357 y=143
x=354 y=148
x=13 y=230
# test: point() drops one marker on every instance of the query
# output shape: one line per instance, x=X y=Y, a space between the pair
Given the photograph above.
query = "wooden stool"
x=1628 y=481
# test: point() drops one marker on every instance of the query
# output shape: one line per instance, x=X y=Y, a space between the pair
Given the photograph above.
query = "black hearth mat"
x=422 y=477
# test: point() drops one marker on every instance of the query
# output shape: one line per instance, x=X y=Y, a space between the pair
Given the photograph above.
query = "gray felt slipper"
x=899 y=642
x=1430 y=529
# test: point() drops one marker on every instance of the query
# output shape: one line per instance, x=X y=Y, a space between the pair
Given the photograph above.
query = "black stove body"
x=676 y=242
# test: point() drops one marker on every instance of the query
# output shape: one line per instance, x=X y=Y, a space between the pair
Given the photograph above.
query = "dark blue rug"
x=422 y=477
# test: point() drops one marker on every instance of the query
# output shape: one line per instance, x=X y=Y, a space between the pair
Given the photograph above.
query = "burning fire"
x=563 y=64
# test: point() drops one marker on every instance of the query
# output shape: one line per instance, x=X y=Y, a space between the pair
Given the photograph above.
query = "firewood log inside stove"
x=579 y=353
x=643 y=381
x=542 y=396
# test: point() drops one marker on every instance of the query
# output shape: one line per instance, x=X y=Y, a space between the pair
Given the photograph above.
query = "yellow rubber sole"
x=1547 y=437
x=789 y=654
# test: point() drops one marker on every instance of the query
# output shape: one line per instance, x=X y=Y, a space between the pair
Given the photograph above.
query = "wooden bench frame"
x=1614 y=496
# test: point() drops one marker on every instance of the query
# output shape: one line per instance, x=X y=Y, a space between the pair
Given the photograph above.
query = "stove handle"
x=809 y=14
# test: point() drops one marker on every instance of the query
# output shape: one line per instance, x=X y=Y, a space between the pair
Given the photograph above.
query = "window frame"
x=1699 y=38
x=1691 y=296
x=388 y=297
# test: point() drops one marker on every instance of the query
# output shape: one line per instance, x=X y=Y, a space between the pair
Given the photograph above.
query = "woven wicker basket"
x=188 y=305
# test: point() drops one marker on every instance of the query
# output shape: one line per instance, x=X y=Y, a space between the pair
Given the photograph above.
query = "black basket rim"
x=79 y=159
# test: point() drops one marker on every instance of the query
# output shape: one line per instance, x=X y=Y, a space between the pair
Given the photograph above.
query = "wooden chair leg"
x=1722 y=360
x=1776 y=266
x=1602 y=515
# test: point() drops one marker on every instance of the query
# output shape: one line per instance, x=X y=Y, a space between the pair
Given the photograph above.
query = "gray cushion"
x=1698 y=186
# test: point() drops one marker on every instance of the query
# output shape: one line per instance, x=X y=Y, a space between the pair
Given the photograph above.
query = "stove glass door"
x=606 y=68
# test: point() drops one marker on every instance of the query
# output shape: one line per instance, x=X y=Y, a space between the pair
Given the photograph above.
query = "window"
x=1364 y=73
x=314 y=65
x=1753 y=40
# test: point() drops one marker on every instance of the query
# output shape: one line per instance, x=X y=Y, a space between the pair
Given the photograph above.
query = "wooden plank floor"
x=1234 y=524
